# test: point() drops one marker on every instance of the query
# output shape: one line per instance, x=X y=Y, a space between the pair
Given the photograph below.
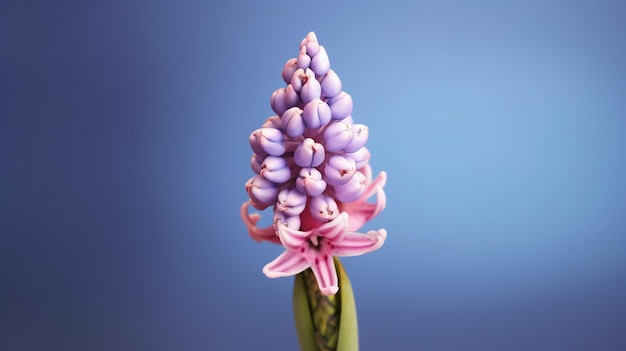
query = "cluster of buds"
x=312 y=167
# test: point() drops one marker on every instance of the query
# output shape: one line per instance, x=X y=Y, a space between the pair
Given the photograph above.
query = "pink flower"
x=313 y=169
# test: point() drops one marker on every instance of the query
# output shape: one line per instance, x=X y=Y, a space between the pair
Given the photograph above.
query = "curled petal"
x=335 y=229
x=291 y=201
x=354 y=244
x=290 y=67
x=323 y=208
x=310 y=182
x=316 y=114
x=339 y=169
x=323 y=268
x=292 y=239
x=286 y=264
x=256 y=233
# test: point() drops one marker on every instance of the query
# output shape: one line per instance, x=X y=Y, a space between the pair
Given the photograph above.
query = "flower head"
x=311 y=166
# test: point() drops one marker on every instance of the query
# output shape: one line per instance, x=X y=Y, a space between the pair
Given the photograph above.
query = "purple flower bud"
x=304 y=60
x=316 y=114
x=267 y=141
x=301 y=77
x=291 y=201
x=254 y=143
x=310 y=90
x=337 y=135
x=275 y=169
x=341 y=105
x=323 y=208
x=352 y=190
x=320 y=64
x=262 y=192
x=277 y=101
x=291 y=97
x=292 y=122
x=309 y=153
x=331 y=84
x=360 y=133
x=290 y=67
x=311 y=43
x=339 y=170
x=310 y=182
x=361 y=157
x=255 y=162
x=292 y=222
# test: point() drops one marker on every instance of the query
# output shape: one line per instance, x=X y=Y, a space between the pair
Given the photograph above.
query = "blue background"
x=123 y=139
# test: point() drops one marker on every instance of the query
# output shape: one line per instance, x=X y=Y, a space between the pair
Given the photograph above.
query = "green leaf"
x=348 y=325
x=302 y=315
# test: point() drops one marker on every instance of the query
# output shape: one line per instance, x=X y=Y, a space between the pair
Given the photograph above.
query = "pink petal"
x=335 y=229
x=290 y=238
x=354 y=244
x=286 y=264
x=325 y=272
x=256 y=233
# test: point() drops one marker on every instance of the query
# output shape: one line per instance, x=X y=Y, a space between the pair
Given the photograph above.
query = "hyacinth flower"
x=312 y=169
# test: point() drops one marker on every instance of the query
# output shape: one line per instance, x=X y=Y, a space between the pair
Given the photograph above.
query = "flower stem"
x=325 y=323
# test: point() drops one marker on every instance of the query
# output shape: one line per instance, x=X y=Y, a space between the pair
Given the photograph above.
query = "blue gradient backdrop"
x=123 y=136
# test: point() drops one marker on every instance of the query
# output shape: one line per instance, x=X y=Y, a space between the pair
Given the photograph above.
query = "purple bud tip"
x=291 y=201
x=310 y=182
x=352 y=190
x=290 y=67
x=309 y=153
x=316 y=114
x=337 y=135
x=275 y=169
x=277 y=101
x=339 y=169
x=304 y=60
x=271 y=141
x=255 y=162
x=311 y=43
x=292 y=122
x=292 y=222
x=360 y=132
x=262 y=192
x=324 y=208
x=291 y=97
x=320 y=64
x=341 y=105
x=361 y=157
x=331 y=84
x=310 y=90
